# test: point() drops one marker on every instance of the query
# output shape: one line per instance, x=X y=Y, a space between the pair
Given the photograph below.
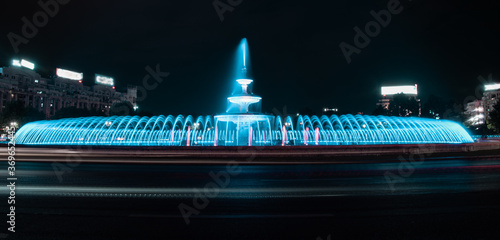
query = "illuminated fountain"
x=243 y=116
x=243 y=124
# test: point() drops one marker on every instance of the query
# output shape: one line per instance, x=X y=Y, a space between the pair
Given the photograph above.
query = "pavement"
x=60 y=195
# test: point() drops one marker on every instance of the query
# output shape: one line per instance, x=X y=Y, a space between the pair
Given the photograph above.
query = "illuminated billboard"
x=409 y=89
x=103 y=80
x=27 y=64
x=490 y=87
x=23 y=63
x=16 y=63
x=63 y=73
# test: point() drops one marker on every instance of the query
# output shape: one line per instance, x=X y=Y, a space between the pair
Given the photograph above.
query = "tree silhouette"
x=380 y=111
x=16 y=112
x=494 y=119
x=434 y=106
x=403 y=105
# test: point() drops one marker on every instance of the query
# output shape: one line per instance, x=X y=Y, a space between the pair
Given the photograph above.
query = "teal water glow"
x=203 y=131
x=243 y=124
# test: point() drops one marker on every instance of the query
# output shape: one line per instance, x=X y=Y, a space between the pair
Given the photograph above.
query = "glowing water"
x=243 y=100
x=201 y=131
x=243 y=124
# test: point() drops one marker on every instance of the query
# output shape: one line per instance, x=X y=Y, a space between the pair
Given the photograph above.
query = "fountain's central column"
x=243 y=124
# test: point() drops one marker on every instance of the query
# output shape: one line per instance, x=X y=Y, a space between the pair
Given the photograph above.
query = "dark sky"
x=294 y=45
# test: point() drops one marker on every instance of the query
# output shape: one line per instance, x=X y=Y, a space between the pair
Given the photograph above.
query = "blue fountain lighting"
x=243 y=124
x=204 y=131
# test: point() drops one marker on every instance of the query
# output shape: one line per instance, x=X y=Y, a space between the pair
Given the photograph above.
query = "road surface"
x=389 y=197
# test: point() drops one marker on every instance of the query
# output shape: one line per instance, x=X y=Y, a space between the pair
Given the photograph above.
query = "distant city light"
x=408 y=89
x=27 y=64
x=63 y=73
x=16 y=63
x=490 y=87
x=23 y=63
x=330 y=109
x=100 y=79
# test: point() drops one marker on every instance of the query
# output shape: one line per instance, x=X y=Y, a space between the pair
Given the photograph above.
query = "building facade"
x=48 y=95
x=478 y=112
x=475 y=113
x=491 y=95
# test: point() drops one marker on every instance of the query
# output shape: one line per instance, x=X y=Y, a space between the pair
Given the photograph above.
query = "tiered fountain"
x=243 y=124
x=243 y=115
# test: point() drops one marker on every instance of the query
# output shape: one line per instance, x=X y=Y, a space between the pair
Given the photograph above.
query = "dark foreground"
x=436 y=198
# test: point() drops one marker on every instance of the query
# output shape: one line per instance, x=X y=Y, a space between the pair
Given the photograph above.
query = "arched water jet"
x=165 y=131
x=243 y=124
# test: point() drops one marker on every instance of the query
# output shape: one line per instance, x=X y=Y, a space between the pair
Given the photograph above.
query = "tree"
x=453 y=111
x=403 y=105
x=434 y=107
x=16 y=112
x=380 y=110
x=494 y=119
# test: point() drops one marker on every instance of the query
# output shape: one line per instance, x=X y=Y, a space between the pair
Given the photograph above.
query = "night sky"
x=294 y=45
